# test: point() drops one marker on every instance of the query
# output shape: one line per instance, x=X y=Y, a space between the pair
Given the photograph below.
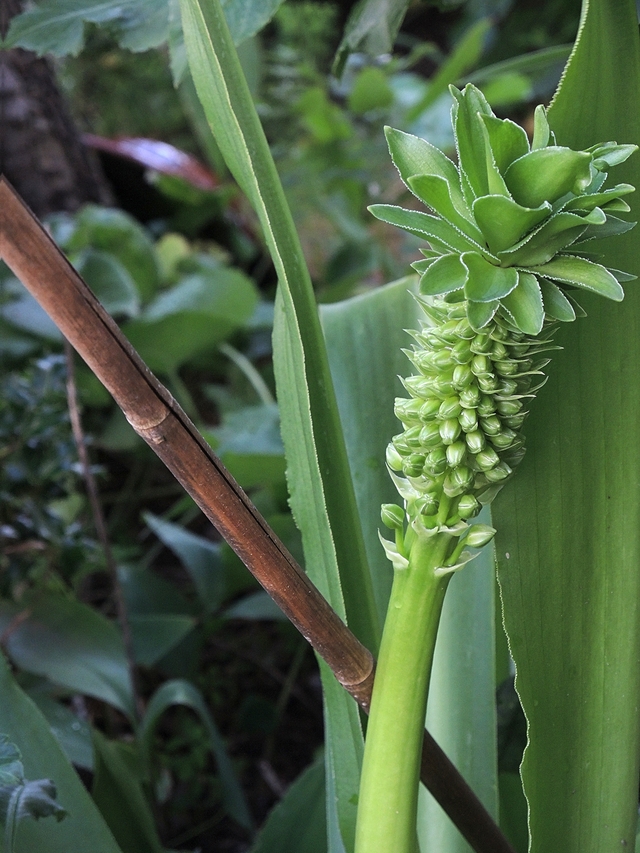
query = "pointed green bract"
x=582 y=273
x=486 y=283
x=525 y=304
x=504 y=222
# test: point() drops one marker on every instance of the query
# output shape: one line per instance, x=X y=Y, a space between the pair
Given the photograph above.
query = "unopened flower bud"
x=479 y=535
x=462 y=376
x=506 y=368
x=450 y=408
x=491 y=425
x=470 y=397
x=427 y=504
x=413 y=465
x=486 y=406
x=429 y=408
x=499 y=473
x=430 y=435
x=392 y=516
x=394 y=459
x=461 y=352
x=468 y=506
x=488 y=384
x=457 y=481
x=481 y=344
x=436 y=462
x=412 y=436
x=456 y=453
x=504 y=439
x=487 y=459
x=480 y=365
x=475 y=441
x=449 y=430
x=509 y=407
x=468 y=420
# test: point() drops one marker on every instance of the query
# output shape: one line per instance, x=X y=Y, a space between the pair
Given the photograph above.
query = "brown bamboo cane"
x=153 y=413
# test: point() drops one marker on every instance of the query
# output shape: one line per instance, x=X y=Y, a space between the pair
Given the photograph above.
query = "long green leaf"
x=568 y=535
x=43 y=758
x=302 y=370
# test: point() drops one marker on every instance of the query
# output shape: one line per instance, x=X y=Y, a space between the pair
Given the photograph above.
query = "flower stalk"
x=509 y=247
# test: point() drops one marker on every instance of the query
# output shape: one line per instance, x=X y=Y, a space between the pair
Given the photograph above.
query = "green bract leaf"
x=541 y=132
x=508 y=141
x=525 y=304
x=440 y=234
x=555 y=234
x=547 y=174
x=588 y=202
x=480 y=313
x=580 y=272
x=611 y=228
x=435 y=192
x=556 y=304
x=485 y=282
x=445 y=275
x=414 y=156
x=503 y=222
x=471 y=140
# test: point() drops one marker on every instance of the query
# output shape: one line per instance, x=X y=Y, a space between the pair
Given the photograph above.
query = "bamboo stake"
x=156 y=417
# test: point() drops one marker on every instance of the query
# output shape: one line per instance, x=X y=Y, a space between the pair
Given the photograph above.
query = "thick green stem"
x=388 y=798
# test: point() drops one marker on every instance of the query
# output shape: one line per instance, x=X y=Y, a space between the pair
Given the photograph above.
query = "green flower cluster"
x=507 y=216
x=495 y=279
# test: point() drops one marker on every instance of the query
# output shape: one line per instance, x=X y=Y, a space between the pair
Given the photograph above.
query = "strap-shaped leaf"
x=611 y=228
x=507 y=139
x=440 y=234
x=445 y=275
x=547 y=174
x=582 y=273
x=556 y=304
x=525 y=304
x=435 y=192
x=486 y=282
x=504 y=222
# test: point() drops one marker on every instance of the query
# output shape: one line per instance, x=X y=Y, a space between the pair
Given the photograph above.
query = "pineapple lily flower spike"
x=509 y=239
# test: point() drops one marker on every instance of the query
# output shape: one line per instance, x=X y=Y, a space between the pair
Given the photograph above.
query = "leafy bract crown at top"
x=513 y=220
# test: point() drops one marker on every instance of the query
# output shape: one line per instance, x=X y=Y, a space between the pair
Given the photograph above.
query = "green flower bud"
x=481 y=344
x=436 y=462
x=456 y=453
x=507 y=368
x=468 y=506
x=413 y=465
x=491 y=425
x=450 y=408
x=470 y=397
x=392 y=516
x=400 y=444
x=408 y=410
x=509 y=407
x=507 y=387
x=394 y=459
x=430 y=435
x=464 y=330
x=457 y=481
x=475 y=441
x=412 y=436
x=499 y=351
x=480 y=365
x=429 y=408
x=428 y=504
x=503 y=440
x=488 y=383
x=514 y=421
x=461 y=352
x=462 y=376
x=499 y=473
x=441 y=360
x=486 y=407
x=449 y=430
x=479 y=535
x=487 y=459
x=468 y=420
x=443 y=384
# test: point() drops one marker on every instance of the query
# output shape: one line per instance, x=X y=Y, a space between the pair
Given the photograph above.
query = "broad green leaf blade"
x=297 y=823
x=440 y=234
x=43 y=758
x=556 y=303
x=181 y=692
x=568 y=539
x=461 y=714
x=484 y=281
x=300 y=360
x=117 y=791
x=444 y=275
x=503 y=222
x=412 y=155
x=72 y=645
